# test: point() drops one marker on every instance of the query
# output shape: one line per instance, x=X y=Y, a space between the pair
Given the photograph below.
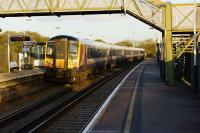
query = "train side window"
x=118 y=53
x=127 y=52
x=135 y=52
x=73 y=50
x=90 y=53
x=112 y=52
x=96 y=53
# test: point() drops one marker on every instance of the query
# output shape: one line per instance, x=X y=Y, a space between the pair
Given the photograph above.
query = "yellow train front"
x=61 y=59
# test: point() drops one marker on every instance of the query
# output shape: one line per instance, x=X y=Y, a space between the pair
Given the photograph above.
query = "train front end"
x=55 y=61
x=61 y=59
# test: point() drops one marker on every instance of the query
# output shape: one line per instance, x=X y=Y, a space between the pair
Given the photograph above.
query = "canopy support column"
x=168 y=46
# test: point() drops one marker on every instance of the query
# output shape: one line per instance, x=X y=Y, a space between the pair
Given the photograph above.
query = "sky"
x=111 y=28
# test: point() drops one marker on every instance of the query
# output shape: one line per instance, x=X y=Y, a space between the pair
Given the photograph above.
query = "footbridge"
x=175 y=21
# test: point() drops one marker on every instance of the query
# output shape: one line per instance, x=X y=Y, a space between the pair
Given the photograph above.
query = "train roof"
x=95 y=43
x=63 y=36
x=107 y=45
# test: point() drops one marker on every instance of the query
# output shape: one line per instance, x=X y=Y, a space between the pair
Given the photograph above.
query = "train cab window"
x=73 y=50
x=50 y=49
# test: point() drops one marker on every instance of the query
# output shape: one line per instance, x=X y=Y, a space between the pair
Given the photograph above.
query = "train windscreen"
x=50 y=49
x=73 y=50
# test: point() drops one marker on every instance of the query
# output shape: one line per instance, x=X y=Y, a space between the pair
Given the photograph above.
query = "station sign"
x=20 y=38
x=29 y=43
x=41 y=43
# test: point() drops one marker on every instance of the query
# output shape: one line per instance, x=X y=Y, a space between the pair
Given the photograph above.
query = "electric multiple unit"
x=69 y=59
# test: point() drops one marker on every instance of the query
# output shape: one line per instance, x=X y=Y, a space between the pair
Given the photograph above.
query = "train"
x=39 y=54
x=33 y=55
x=73 y=60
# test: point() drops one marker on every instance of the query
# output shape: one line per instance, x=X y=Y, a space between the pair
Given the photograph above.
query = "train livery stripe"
x=80 y=54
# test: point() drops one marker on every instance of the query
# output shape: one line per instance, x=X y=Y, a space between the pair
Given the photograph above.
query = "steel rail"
x=24 y=110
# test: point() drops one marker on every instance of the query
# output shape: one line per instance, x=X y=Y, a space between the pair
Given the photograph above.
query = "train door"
x=73 y=54
x=61 y=54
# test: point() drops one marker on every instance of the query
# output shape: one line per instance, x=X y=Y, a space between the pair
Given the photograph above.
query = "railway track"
x=34 y=95
x=76 y=108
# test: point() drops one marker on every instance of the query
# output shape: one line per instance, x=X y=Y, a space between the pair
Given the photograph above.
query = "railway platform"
x=17 y=84
x=142 y=103
x=20 y=74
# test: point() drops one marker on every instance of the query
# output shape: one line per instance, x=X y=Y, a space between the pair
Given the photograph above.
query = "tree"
x=127 y=43
x=100 y=40
x=150 y=47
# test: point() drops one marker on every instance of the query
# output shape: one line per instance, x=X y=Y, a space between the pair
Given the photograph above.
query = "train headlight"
x=70 y=62
x=51 y=62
